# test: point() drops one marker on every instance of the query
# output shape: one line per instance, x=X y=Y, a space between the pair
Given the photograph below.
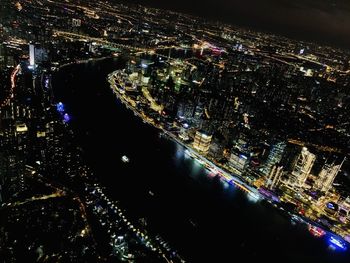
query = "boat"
x=192 y=223
x=316 y=231
x=125 y=159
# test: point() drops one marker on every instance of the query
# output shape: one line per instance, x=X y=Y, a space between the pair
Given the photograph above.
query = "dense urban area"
x=267 y=114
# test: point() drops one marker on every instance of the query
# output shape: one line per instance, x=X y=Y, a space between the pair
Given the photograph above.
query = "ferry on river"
x=125 y=159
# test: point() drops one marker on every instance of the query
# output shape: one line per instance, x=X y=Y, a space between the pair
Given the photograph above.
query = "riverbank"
x=61 y=66
x=226 y=176
x=184 y=191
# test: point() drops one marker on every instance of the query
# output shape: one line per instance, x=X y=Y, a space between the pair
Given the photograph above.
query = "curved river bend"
x=205 y=219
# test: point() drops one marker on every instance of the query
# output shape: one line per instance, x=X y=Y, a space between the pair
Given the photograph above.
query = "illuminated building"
x=31 y=55
x=275 y=156
x=326 y=177
x=76 y=22
x=197 y=115
x=238 y=161
x=242 y=145
x=302 y=168
x=274 y=177
x=344 y=210
x=202 y=141
x=331 y=208
x=54 y=137
x=5 y=59
x=20 y=156
x=37 y=55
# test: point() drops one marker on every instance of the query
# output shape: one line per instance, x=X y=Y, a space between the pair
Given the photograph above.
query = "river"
x=205 y=219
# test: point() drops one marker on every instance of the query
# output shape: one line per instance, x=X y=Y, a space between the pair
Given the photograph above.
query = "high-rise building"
x=202 y=141
x=238 y=161
x=22 y=144
x=326 y=177
x=275 y=156
x=37 y=54
x=6 y=60
x=197 y=117
x=31 y=55
x=274 y=177
x=54 y=148
x=302 y=167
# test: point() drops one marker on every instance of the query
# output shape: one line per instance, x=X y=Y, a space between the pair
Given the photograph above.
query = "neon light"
x=46 y=83
x=243 y=156
x=66 y=118
x=60 y=107
x=316 y=231
x=337 y=242
x=330 y=206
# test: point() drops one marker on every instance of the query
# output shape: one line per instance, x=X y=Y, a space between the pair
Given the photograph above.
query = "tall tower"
x=274 y=177
x=275 y=156
x=31 y=55
x=2 y=56
x=327 y=175
x=302 y=167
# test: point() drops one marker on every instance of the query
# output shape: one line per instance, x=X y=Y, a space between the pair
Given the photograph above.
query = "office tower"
x=302 y=167
x=327 y=175
x=238 y=161
x=31 y=55
x=202 y=141
x=274 y=177
x=275 y=156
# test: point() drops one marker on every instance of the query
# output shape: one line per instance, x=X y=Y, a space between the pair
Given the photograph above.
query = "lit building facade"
x=275 y=156
x=302 y=168
x=202 y=141
x=274 y=177
x=238 y=161
x=326 y=177
x=31 y=55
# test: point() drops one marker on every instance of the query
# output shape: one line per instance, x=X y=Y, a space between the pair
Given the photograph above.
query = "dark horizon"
x=326 y=22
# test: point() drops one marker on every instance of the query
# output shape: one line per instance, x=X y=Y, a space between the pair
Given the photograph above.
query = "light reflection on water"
x=203 y=197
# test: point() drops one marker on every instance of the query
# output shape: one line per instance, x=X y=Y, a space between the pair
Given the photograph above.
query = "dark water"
x=204 y=218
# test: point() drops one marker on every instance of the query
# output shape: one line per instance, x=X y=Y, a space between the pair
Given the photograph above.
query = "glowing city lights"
x=60 y=107
x=66 y=118
x=338 y=243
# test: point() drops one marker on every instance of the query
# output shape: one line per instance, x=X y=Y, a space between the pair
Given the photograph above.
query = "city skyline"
x=325 y=22
x=130 y=133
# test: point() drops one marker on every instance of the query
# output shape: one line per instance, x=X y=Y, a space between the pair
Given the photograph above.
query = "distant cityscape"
x=267 y=114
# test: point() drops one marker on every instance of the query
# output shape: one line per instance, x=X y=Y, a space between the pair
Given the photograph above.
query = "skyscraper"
x=238 y=161
x=274 y=177
x=275 y=156
x=202 y=141
x=31 y=55
x=327 y=175
x=302 y=167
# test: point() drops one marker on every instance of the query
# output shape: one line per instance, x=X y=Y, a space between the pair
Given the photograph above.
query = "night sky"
x=323 y=21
